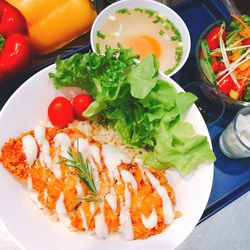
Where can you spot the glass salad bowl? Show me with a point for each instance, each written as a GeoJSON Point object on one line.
{"type": "Point", "coordinates": [206, 71]}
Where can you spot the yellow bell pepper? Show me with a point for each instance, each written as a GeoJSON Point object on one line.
{"type": "Point", "coordinates": [234, 94]}
{"type": "Point", "coordinates": [54, 23]}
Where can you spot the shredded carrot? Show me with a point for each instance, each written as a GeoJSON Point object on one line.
{"type": "Point", "coordinates": [240, 21]}
{"type": "Point", "coordinates": [245, 65]}
{"type": "Point", "coordinates": [216, 55]}
{"type": "Point", "coordinates": [246, 30]}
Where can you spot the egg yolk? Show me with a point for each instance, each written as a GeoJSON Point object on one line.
{"type": "Point", "coordinates": [145, 45]}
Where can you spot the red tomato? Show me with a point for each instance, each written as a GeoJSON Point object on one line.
{"type": "Point", "coordinates": [215, 66]}
{"type": "Point", "coordinates": [245, 42]}
{"type": "Point", "coordinates": [222, 67]}
{"type": "Point", "coordinates": [213, 37]}
{"type": "Point", "coordinates": [80, 104]}
{"type": "Point", "coordinates": [60, 112]}
{"type": "Point", "coordinates": [225, 85]}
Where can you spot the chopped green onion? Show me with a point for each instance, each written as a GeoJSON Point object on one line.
{"type": "Point", "coordinates": [139, 10]}
{"type": "Point", "coordinates": [157, 20]}
{"type": "Point", "coordinates": [100, 35]}
{"type": "Point", "coordinates": [124, 11]}
{"type": "Point", "coordinates": [161, 32]}
{"type": "Point", "coordinates": [175, 38]}
{"type": "Point", "coordinates": [149, 12]}
{"type": "Point", "coordinates": [98, 50]}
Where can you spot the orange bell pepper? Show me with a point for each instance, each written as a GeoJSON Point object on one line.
{"type": "Point", "coordinates": [52, 24]}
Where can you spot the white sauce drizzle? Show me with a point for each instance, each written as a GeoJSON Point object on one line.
{"type": "Point", "coordinates": [56, 169]}
{"type": "Point", "coordinates": [84, 220]}
{"type": "Point", "coordinates": [79, 189]}
{"type": "Point", "coordinates": [62, 140]}
{"type": "Point", "coordinates": [101, 228]}
{"type": "Point", "coordinates": [151, 221]}
{"type": "Point", "coordinates": [95, 153]}
{"type": "Point", "coordinates": [111, 199]}
{"type": "Point", "coordinates": [92, 207]}
{"type": "Point", "coordinates": [126, 227]}
{"type": "Point", "coordinates": [113, 158]}
{"type": "Point", "coordinates": [39, 133]}
{"type": "Point", "coordinates": [61, 211]}
{"type": "Point", "coordinates": [140, 164]}
{"type": "Point", "coordinates": [34, 197]}
{"type": "Point", "coordinates": [166, 202]}
{"type": "Point", "coordinates": [45, 195]}
{"type": "Point", "coordinates": [30, 149]}
{"type": "Point", "coordinates": [82, 146]}
{"type": "Point", "coordinates": [29, 183]}
{"type": "Point", "coordinates": [95, 174]}
{"type": "Point", "coordinates": [45, 157]}
{"type": "Point", "coordinates": [127, 177]}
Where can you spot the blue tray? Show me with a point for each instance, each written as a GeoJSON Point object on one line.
{"type": "Point", "coordinates": [231, 177]}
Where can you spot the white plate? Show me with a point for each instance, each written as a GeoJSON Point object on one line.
{"type": "Point", "coordinates": [31, 229]}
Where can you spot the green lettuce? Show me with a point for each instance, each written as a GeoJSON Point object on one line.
{"type": "Point", "coordinates": [145, 111]}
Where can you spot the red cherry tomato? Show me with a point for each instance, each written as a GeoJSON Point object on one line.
{"type": "Point", "coordinates": [215, 66]}
{"type": "Point", "coordinates": [80, 104]}
{"type": "Point", "coordinates": [222, 67]}
{"type": "Point", "coordinates": [213, 37]}
{"type": "Point", "coordinates": [60, 112]}
{"type": "Point", "coordinates": [225, 85]}
{"type": "Point", "coordinates": [246, 42]}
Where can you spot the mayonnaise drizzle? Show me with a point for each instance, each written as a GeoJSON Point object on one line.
{"type": "Point", "coordinates": [82, 146]}
{"type": "Point", "coordinates": [166, 202]}
{"type": "Point", "coordinates": [92, 207]}
{"type": "Point", "coordinates": [61, 210]}
{"type": "Point", "coordinates": [95, 153]}
{"type": "Point", "coordinates": [34, 197]}
{"type": "Point", "coordinates": [40, 136]}
{"type": "Point", "coordinates": [84, 220]}
{"type": "Point", "coordinates": [127, 177]}
{"type": "Point", "coordinates": [29, 183]}
{"type": "Point", "coordinates": [30, 149]}
{"type": "Point", "coordinates": [126, 227]}
{"type": "Point", "coordinates": [151, 221]}
{"type": "Point", "coordinates": [111, 199]}
{"type": "Point", "coordinates": [101, 228]}
{"type": "Point", "coordinates": [39, 133]}
{"type": "Point", "coordinates": [63, 140]}
{"type": "Point", "coordinates": [95, 174]}
{"type": "Point", "coordinates": [79, 189]}
{"type": "Point", "coordinates": [113, 158]}
{"type": "Point", "coordinates": [45, 157]}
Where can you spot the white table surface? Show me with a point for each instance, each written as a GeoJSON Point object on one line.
{"type": "Point", "coordinates": [229, 229]}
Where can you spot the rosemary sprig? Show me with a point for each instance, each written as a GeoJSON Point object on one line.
{"type": "Point", "coordinates": [85, 173]}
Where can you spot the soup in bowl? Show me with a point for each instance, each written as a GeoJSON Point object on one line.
{"type": "Point", "coordinates": [148, 28]}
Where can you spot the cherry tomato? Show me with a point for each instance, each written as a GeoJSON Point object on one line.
{"type": "Point", "coordinates": [225, 85]}
{"type": "Point", "coordinates": [215, 66]}
{"type": "Point", "coordinates": [213, 37]}
{"type": "Point", "coordinates": [222, 67]}
{"type": "Point", "coordinates": [60, 112]}
{"type": "Point", "coordinates": [245, 42]}
{"type": "Point", "coordinates": [80, 103]}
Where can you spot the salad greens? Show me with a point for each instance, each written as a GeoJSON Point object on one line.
{"type": "Point", "coordinates": [130, 99]}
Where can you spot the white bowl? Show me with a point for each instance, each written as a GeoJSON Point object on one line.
{"type": "Point", "coordinates": [27, 108]}
{"type": "Point", "coordinates": [146, 4]}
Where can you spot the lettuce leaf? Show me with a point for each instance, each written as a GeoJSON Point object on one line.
{"type": "Point", "coordinates": [130, 99]}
